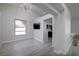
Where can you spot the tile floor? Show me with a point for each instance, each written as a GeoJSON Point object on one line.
{"type": "Point", "coordinates": [28, 47]}
{"type": "Point", "coordinates": [74, 50]}
{"type": "Point", "coordinates": [31, 47]}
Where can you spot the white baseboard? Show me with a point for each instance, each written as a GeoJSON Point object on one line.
{"type": "Point", "coordinates": [69, 45]}
{"type": "Point", "coordinates": [39, 40]}
{"type": "Point", "coordinates": [13, 40]}
{"type": "Point", "coordinates": [58, 51]}
{"type": "Point", "coordinates": [65, 51]}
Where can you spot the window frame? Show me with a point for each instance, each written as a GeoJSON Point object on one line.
{"type": "Point", "coordinates": [16, 27]}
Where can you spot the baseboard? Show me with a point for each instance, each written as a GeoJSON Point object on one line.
{"type": "Point", "coordinates": [58, 51]}
{"type": "Point", "coordinates": [69, 45]}
{"type": "Point", "coordinates": [39, 40]}
{"type": "Point", "coordinates": [65, 51]}
{"type": "Point", "coordinates": [13, 40]}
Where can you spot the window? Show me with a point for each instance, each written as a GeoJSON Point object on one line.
{"type": "Point", "coordinates": [20, 28]}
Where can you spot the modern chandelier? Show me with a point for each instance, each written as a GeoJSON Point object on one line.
{"type": "Point", "coordinates": [25, 6]}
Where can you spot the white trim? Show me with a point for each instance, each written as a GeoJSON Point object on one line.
{"type": "Point", "coordinates": [49, 6]}
{"type": "Point", "coordinates": [58, 52]}
{"type": "Point", "coordinates": [40, 40]}
{"type": "Point", "coordinates": [65, 51]}
{"type": "Point", "coordinates": [13, 40]}
{"type": "Point", "coordinates": [43, 18]}
{"type": "Point", "coordinates": [47, 17]}
{"type": "Point", "coordinates": [68, 46]}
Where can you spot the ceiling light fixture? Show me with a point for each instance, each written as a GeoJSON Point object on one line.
{"type": "Point", "coordinates": [25, 6]}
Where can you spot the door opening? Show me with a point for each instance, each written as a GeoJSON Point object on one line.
{"type": "Point", "coordinates": [48, 30]}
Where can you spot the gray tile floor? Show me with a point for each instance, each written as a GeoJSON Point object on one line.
{"type": "Point", "coordinates": [31, 47]}
{"type": "Point", "coordinates": [28, 47]}
{"type": "Point", "coordinates": [74, 50]}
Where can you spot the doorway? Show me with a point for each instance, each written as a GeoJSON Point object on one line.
{"type": "Point", "coordinates": [48, 30]}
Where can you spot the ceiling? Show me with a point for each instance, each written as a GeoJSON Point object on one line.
{"type": "Point", "coordinates": [74, 10]}
{"type": "Point", "coordinates": [53, 8]}
{"type": "Point", "coordinates": [57, 6]}
{"type": "Point", "coordinates": [41, 9]}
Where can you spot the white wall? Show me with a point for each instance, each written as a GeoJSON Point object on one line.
{"type": "Point", "coordinates": [59, 33]}
{"type": "Point", "coordinates": [68, 40]}
{"type": "Point", "coordinates": [38, 33]}
{"type": "Point", "coordinates": [62, 32]}
{"type": "Point", "coordinates": [75, 25]}
{"type": "Point", "coordinates": [9, 13]}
